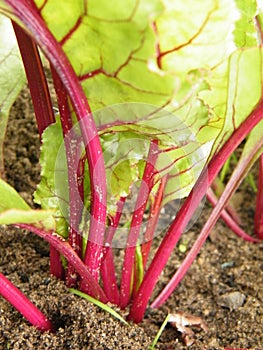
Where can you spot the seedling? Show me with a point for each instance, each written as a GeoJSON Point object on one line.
{"type": "Point", "coordinates": [183, 324]}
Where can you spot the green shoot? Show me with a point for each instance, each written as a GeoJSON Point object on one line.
{"type": "Point", "coordinates": [98, 303]}
{"type": "Point", "coordinates": [166, 320]}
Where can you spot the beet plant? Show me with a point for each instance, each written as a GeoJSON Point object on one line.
{"type": "Point", "coordinates": [153, 98]}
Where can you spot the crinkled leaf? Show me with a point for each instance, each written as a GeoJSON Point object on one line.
{"type": "Point", "coordinates": [12, 77]}
{"type": "Point", "coordinates": [14, 210]}
{"type": "Point", "coordinates": [125, 149]}
{"type": "Point", "coordinates": [195, 35]}
{"type": "Point", "coordinates": [181, 55]}
{"type": "Point", "coordinates": [52, 191]}
{"type": "Point", "coordinates": [235, 91]}
{"type": "Point", "coordinates": [166, 53]}
{"type": "Point", "coordinates": [142, 50]}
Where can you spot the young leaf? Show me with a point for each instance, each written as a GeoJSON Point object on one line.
{"type": "Point", "coordinates": [42, 217]}
{"type": "Point", "coordinates": [10, 198]}
{"type": "Point", "coordinates": [52, 191]}
{"type": "Point", "coordinates": [12, 77]}
{"type": "Point", "coordinates": [14, 210]}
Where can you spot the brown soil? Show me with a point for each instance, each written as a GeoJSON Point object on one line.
{"type": "Point", "coordinates": [226, 264]}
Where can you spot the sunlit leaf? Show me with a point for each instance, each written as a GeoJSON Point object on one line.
{"type": "Point", "coordinates": [195, 64]}
{"type": "Point", "coordinates": [244, 32]}
{"type": "Point", "coordinates": [234, 93]}
{"type": "Point", "coordinates": [181, 55]}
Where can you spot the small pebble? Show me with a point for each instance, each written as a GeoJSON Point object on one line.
{"type": "Point", "coordinates": [232, 300]}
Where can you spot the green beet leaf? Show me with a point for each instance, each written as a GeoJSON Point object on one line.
{"type": "Point", "coordinates": [14, 210]}
{"type": "Point", "coordinates": [179, 72]}
{"type": "Point", "coordinates": [52, 191]}
{"type": "Point", "coordinates": [198, 61]}
{"type": "Point", "coordinates": [12, 77]}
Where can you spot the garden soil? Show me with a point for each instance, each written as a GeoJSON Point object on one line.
{"type": "Point", "coordinates": [226, 265]}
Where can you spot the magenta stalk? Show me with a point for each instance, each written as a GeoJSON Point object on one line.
{"type": "Point", "coordinates": [20, 302]}
{"type": "Point", "coordinates": [31, 19]}
{"type": "Point", "coordinates": [72, 150]}
{"type": "Point", "coordinates": [108, 273]}
{"type": "Point", "coordinates": [238, 175]}
{"type": "Point", "coordinates": [42, 106]}
{"type": "Point", "coordinates": [36, 79]}
{"type": "Point", "coordinates": [185, 213]}
{"type": "Point", "coordinates": [61, 245]}
{"type": "Point", "coordinates": [228, 219]}
{"type": "Point", "coordinates": [153, 220]}
{"type": "Point", "coordinates": [259, 202]}
{"type": "Point", "coordinates": [136, 221]}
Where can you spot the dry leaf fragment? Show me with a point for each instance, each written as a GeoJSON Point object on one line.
{"type": "Point", "coordinates": [181, 321]}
